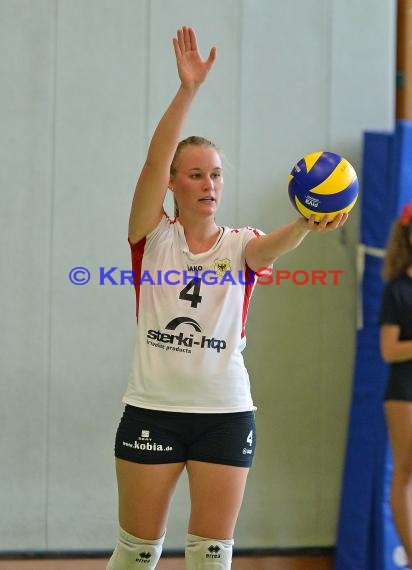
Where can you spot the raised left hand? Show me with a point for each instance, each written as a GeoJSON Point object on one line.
{"type": "Point", "coordinates": [191, 68]}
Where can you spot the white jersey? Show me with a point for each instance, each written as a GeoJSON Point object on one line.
{"type": "Point", "coordinates": [191, 314]}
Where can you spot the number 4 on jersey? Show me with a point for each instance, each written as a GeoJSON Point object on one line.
{"type": "Point", "coordinates": [193, 297]}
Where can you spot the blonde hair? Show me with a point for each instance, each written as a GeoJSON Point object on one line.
{"type": "Point", "coordinates": [398, 251]}
{"type": "Point", "coordinates": [189, 141]}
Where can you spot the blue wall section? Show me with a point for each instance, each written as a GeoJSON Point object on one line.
{"type": "Point", "coordinates": [366, 536]}
{"type": "Point", "coordinates": [377, 185]}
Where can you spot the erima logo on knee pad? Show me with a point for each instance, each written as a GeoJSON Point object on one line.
{"type": "Point", "coordinates": [144, 557]}
{"type": "Point", "coordinates": [213, 552]}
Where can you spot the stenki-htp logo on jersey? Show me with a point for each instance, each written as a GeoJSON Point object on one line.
{"type": "Point", "coordinates": [183, 342]}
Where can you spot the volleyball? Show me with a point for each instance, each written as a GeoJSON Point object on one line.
{"type": "Point", "coordinates": [323, 183]}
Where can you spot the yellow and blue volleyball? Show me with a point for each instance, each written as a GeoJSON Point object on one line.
{"type": "Point", "coordinates": [323, 183]}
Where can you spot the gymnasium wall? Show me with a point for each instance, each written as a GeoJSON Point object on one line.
{"type": "Point", "coordinates": [83, 83]}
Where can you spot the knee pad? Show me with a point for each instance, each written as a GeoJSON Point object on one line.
{"type": "Point", "coordinates": [208, 553]}
{"type": "Point", "coordinates": [132, 553]}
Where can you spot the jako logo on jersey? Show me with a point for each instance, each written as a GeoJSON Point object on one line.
{"type": "Point", "coordinates": [186, 341]}
{"type": "Point", "coordinates": [221, 266]}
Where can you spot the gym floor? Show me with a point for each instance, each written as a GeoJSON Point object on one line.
{"type": "Point", "coordinates": [313, 562]}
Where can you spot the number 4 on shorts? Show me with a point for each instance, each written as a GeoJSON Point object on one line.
{"type": "Point", "coordinates": [249, 438]}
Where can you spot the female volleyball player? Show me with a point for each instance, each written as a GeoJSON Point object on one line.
{"type": "Point", "coordinates": [188, 402]}
{"type": "Point", "coordinates": [396, 348]}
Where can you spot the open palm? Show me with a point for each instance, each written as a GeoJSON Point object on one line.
{"type": "Point", "coordinates": [191, 68]}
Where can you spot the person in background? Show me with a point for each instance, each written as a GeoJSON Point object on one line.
{"type": "Point", "coordinates": [395, 321]}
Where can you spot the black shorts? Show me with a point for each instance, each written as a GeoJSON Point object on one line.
{"type": "Point", "coordinates": [399, 388]}
{"type": "Point", "coordinates": [153, 437]}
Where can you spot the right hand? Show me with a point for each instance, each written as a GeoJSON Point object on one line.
{"type": "Point", "coordinates": [191, 68]}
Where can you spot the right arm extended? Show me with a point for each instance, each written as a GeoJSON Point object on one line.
{"type": "Point", "coordinates": [147, 205]}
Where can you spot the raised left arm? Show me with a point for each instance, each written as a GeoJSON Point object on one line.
{"type": "Point", "coordinates": [264, 250]}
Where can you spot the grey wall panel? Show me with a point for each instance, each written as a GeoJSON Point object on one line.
{"type": "Point", "coordinates": [100, 131]}
{"type": "Point", "coordinates": [26, 111]}
{"type": "Point", "coordinates": [301, 339]}
{"type": "Point", "coordinates": [284, 99]}
{"type": "Point", "coordinates": [284, 115]}
{"type": "Point", "coordinates": [362, 87]}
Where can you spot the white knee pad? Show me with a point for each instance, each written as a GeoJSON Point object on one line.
{"type": "Point", "coordinates": [208, 553]}
{"type": "Point", "coordinates": [132, 553]}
